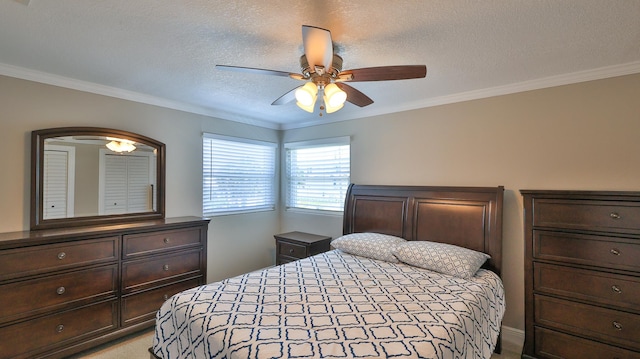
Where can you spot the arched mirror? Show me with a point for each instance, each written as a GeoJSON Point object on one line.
{"type": "Point", "coordinates": [91, 175]}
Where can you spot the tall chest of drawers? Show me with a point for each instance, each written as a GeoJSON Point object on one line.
{"type": "Point", "coordinates": [64, 291]}
{"type": "Point", "coordinates": [582, 274]}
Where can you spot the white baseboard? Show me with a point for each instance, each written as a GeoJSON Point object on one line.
{"type": "Point", "coordinates": [512, 339]}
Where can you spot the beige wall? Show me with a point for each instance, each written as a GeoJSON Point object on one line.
{"type": "Point", "coordinates": [582, 136]}
{"type": "Point", "coordinates": [236, 243]}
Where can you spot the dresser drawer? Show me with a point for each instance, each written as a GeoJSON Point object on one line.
{"type": "Point", "coordinates": [143, 306]}
{"type": "Point", "coordinates": [34, 296]}
{"type": "Point", "coordinates": [139, 244]}
{"type": "Point", "coordinates": [608, 325]}
{"type": "Point", "coordinates": [601, 251]}
{"type": "Point", "coordinates": [552, 344]}
{"type": "Point", "coordinates": [586, 214]}
{"type": "Point", "coordinates": [292, 250]}
{"type": "Point", "coordinates": [46, 258]}
{"type": "Point", "coordinates": [26, 339]}
{"type": "Point", "coordinates": [605, 288]}
{"type": "Point", "coordinates": [139, 274]}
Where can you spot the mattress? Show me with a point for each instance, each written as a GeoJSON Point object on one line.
{"type": "Point", "coordinates": [334, 305]}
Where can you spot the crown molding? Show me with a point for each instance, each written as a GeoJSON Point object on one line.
{"type": "Point", "coordinates": [552, 81]}
{"type": "Point", "coordinates": [530, 85]}
{"type": "Point", "coordinates": [85, 86]}
{"type": "Point", "coordinates": [547, 82]}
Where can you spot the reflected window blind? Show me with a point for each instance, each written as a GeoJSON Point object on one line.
{"type": "Point", "coordinates": [238, 175]}
{"type": "Point", "coordinates": [318, 174]}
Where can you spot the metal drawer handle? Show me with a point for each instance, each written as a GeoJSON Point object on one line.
{"type": "Point", "coordinates": [617, 326]}
{"type": "Point", "coordinates": [615, 251]}
{"type": "Point", "coordinates": [59, 328]}
{"type": "Point", "coordinates": [291, 250]}
{"type": "Point", "coordinates": [62, 255]}
{"type": "Point", "coordinates": [60, 290]}
{"type": "Point", "coordinates": [166, 296]}
{"type": "Point", "coordinates": [165, 267]}
{"type": "Point", "coordinates": [616, 289]}
{"type": "Point", "coordinates": [614, 215]}
{"type": "Point", "coordinates": [167, 240]}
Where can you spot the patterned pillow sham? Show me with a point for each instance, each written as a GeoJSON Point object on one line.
{"type": "Point", "coordinates": [370, 245]}
{"type": "Point", "coordinates": [442, 258]}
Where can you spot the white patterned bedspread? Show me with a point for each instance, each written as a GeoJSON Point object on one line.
{"type": "Point", "coordinates": [334, 305]}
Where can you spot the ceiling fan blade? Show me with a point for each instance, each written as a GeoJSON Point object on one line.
{"type": "Point", "coordinates": [384, 73]}
{"type": "Point", "coordinates": [354, 96]}
{"type": "Point", "coordinates": [318, 47]}
{"type": "Point", "coordinates": [286, 98]}
{"type": "Point", "coordinates": [260, 71]}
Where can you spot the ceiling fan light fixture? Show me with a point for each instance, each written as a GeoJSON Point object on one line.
{"type": "Point", "coordinates": [120, 146]}
{"type": "Point", "coordinates": [306, 95]}
{"type": "Point", "coordinates": [334, 97]}
{"type": "Point", "coordinates": [308, 108]}
{"type": "Point", "coordinates": [331, 109]}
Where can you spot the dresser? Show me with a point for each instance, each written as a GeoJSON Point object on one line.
{"type": "Point", "coordinates": [292, 246]}
{"type": "Point", "coordinates": [66, 290]}
{"type": "Point", "coordinates": [582, 274]}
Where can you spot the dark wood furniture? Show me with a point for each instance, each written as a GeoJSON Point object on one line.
{"type": "Point", "coordinates": [83, 137]}
{"type": "Point", "coordinates": [582, 274]}
{"type": "Point", "coordinates": [470, 217]}
{"type": "Point", "coordinates": [292, 246]}
{"type": "Point", "coordinates": [66, 290]}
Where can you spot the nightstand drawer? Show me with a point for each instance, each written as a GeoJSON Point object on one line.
{"type": "Point", "coordinates": [292, 246]}
{"type": "Point", "coordinates": [586, 214]}
{"type": "Point", "coordinates": [600, 287]}
{"type": "Point", "coordinates": [552, 344]}
{"type": "Point", "coordinates": [143, 306]}
{"type": "Point", "coordinates": [157, 271]}
{"type": "Point", "coordinates": [34, 296]}
{"type": "Point", "coordinates": [292, 250]}
{"type": "Point", "coordinates": [615, 327]}
{"type": "Point", "coordinates": [26, 339]}
{"type": "Point", "coordinates": [601, 251]}
{"type": "Point", "coordinates": [146, 243]}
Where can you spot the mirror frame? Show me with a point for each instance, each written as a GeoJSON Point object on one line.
{"type": "Point", "coordinates": [38, 138]}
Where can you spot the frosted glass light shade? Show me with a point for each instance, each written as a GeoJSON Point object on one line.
{"type": "Point", "coordinates": [334, 96]}
{"type": "Point", "coordinates": [306, 95]}
{"type": "Point", "coordinates": [308, 108]}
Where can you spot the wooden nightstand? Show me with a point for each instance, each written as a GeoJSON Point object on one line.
{"type": "Point", "coordinates": [292, 246]}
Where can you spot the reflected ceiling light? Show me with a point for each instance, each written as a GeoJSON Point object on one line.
{"type": "Point", "coordinates": [120, 145]}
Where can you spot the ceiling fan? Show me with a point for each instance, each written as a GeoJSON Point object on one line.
{"type": "Point", "coordinates": [322, 71]}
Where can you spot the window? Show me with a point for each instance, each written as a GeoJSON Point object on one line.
{"type": "Point", "coordinates": [238, 175]}
{"type": "Point", "coordinates": [318, 174]}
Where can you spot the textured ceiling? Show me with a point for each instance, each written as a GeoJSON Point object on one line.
{"type": "Point", "coordinates": [164, 51]}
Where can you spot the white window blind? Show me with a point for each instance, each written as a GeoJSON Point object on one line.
{"type": "Point", "coordinates": [318, 174]}
{"type": "Point", "coordinates": [238, 175]}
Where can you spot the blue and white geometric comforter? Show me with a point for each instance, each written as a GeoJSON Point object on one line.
{"type": "Point", "coordinates": [334, 305]}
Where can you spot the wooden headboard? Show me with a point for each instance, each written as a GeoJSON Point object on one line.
{"type": "Point", "coordinates": [469, 217]}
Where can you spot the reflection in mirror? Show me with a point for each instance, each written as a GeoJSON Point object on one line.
{"type": "Point", "coordinates": [94, 175]}
{"type": "Point", "coordinates": [113, 176]}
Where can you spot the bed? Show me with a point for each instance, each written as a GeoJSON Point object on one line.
{"type": "Point", "coordinates": [349, 304]}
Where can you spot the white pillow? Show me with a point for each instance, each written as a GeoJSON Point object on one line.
{"type": "Point", "coordinates": [370, 245]}
{"type": "Point", "coordinates": [442, 258]}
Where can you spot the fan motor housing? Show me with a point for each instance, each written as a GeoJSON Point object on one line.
{"type": "Point", "coordinates": [336, 66]}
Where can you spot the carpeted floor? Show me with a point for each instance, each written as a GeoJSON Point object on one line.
{"type": "Point", "coordinates": [136, 346]}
